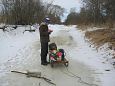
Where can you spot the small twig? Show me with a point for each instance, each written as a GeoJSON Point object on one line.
{"type": "Point", "coordinates": [39, 83]}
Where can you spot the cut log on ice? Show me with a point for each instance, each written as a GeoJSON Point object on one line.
{"type": "Point", "coordinates": [29, 30]}
{"type": "Point", "coordinates": [3, 28]}
{"type": "Point", "coordinates": [15, 27]}
{"type": "Point", "coordinates": [35, 75]}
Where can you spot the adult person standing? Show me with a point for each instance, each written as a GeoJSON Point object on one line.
{"type": "Point", "coordinates": [44, 39]}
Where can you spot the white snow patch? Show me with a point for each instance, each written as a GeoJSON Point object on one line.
{"type": "Point", "coordinates": [14, 43]}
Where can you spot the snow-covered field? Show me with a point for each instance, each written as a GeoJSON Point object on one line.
{"type": "Point", "coordinates": [21, 51]}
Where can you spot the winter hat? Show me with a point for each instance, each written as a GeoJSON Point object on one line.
{"type": "Point", "coordinates": [47, 20]}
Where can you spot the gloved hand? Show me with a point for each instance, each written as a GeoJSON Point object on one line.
{"type": "Point", "coordinates": [50, 31]}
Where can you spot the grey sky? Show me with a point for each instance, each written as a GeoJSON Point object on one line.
{"type": "Point", "coordinates": [67, 4]}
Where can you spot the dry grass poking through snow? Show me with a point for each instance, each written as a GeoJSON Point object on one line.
{"type": "Point", "coordinates": [101, 36]}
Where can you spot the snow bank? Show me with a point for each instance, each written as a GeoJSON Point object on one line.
{"type": "Point", "coordinates": [94, 59]}
{"type": "Point", "coordinates": [13, 43]}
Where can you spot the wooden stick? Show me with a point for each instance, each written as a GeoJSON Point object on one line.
{"type": "Point", "coordinates": [32, 74]}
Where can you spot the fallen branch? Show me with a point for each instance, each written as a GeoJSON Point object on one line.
{"type": "Point", "coordinates": [29, 30]}
{"type": "Point", "coordinates": [35, 75]}
{"type": "Point", "coordinates": [3, 28]}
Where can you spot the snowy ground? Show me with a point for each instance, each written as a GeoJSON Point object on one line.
{"type": "Point", "coordinates": [21, 51]}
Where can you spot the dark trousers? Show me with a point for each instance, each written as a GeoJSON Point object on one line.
{"type": "Point", "coordinates": [44, 52]}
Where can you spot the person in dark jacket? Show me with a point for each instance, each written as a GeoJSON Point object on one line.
{"type": "Point", "coordinates": [44, 39]}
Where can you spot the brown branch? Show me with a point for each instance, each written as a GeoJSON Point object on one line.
{"type": "Point", "coordinates": [35, 75]}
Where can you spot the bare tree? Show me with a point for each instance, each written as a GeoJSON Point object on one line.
{"type": "Point", "coordinates": [97, 12]}
{"type": "Point", "coordinates": [28, 11]}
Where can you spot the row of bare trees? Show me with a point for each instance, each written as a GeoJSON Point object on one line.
{"type": "Point", "coordinates": [96, 12]}
{"type": "Point", "coordinates": [29, 11]}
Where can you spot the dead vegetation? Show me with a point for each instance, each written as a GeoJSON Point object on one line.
{"type": "Point", "coordinates": [102, 36]}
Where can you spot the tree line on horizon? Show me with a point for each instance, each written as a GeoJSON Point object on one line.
{"type": "Point", "coordinates": [94, 12]}
{"type": "Point", "coordinates": [29, 11]}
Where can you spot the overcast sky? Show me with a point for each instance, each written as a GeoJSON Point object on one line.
{"type": "Point", "coordinates": [67, 4]}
